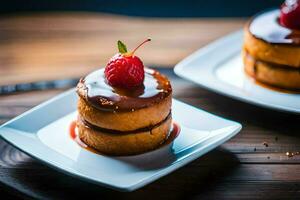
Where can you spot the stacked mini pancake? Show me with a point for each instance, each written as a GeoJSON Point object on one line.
{"type": "Point", "coordinates": [271, 52]}
{"type": "Point", "coordinates": [118, 121]}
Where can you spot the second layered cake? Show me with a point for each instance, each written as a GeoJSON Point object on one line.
{"type": "Point", "coordinates": [124, 122]}
{"type": "Point", "coordinates": [271, 52]}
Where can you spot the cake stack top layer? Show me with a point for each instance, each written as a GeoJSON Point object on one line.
{"type": "Point", "coordinates": [95, 90]}
{"type": "Point", "coordinates": [265, 26]}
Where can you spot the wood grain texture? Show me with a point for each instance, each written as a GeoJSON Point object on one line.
{"type": "Point", "coordinates": [233, 171]}
{"type": "Point", "coordinates": [46, 46]}
{"type": "Point", "coordinates": [35, 47]}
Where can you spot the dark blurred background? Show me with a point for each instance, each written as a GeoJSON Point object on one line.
{"type": "Point", "coordinates": [147, 8]}
{"type": "Point", "coordinates": [45, 40]}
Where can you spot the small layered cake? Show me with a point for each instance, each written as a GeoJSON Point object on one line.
{"type": "Point", "coordinates": [271, 52]}
{"type": "Point", "coordinates": [124, 109]}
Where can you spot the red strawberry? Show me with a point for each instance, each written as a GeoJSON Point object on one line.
{"type": "Point", "coordinates": [290, 14]}
{"type": "Point", "coordinates": [124, 69]}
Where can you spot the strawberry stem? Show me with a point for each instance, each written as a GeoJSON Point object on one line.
{"type": "Point", "coordinates": [147, 40]}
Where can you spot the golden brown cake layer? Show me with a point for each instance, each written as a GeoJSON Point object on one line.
{"type": "Point", "coordinates": [125, 121]}
{"type": "Point", "coordinates": [279, 54]}
{"type": "Point", "coordinates": [119, 121]}
{"type": "Point", "coordinates": [266, 40]}
{"type": "Point", "coordinates": [95, 90]}
{"type": "Point", "coordinates": [273, 74]}
{"type": "Point", "coordinates": [111, 131]}
{"type": "Point", "coordinates": [125, 144]}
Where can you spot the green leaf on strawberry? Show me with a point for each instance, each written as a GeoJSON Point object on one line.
{"type": "Point", "coordinates": [122, 47]}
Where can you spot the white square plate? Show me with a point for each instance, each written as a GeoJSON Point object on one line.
{"type": "Point", "coordinates": [219, 67]}
{"type": "Point", "coordinates": [43, 133]}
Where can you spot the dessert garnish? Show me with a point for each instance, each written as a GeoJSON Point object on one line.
{"type": "Point", "coordinates": [125, 70]}
{"type": "Point", "coordinates": [124, 109]}
{"type": "Point", "coordinates": [290, 14]}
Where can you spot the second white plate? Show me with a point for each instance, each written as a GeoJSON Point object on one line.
{"type": "Point", "coordinates": [219, 67]}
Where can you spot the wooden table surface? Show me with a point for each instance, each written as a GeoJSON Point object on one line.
{"type": "Point", "coordinates": [36, 47]}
